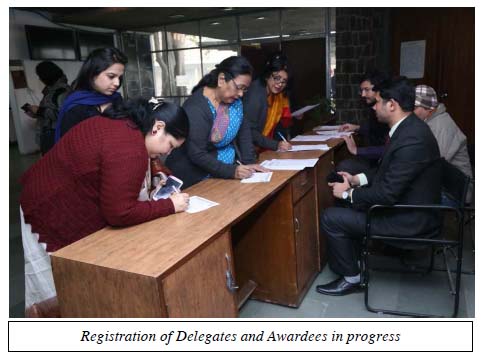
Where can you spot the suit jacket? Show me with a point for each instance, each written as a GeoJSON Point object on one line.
{"type": "Point", "coordinates": [197, 157]}
{"type": "Point", "coordinates": [408, 173]}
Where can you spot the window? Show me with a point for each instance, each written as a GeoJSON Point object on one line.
{"type": "Point", "coordinates": [181, 54]}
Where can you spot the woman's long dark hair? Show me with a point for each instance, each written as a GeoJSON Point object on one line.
{"type": "Point", "coordinates": [231, 67]}
{"type": "Point", "coordinates": [277, 62]}
{"type": "Point", "coordinates": [144, 114]}
{"type": "Point", "coordinates": [98, 61]}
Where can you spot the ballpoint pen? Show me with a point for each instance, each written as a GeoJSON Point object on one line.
{"type": "Point", "coordinates": [174, 188]}
{"type": "Point", "coordinates": [282, 137]}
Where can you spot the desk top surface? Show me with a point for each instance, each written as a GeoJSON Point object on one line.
{"type": "Point", "coordinates": [155, 247]}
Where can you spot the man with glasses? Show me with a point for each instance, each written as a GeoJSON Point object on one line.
{"type": "Point", "coordinates": [372, 131]}
{"type": "Point", "coordinates": [266, 106]}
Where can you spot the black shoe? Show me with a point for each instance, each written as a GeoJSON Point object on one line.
{"type": "Point", "coordinates": [338, 287]}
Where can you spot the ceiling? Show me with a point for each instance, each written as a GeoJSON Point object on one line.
{"type": "Point", "coordinates": [133, 18]}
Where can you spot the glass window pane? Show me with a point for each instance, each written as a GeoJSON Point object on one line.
{"type": "Point", "coordinates": [185, 71]}
{"type": "Point", "coordinates": [260, 26]}
{"type": "Point", "coordinates": [214, 56]}
{"type": "Point", "coordinates": [89, 41]}
{"type": "Point", "coordinates": [182, 36]}
{"type": "Point", "coordinates": [218, 31]}
{"type": "Point", "coordinates": [161, 73]}
{"type": "Point", "coordinates": [303, 23]}
{"type": "Point", "coordinates": [157, 41]}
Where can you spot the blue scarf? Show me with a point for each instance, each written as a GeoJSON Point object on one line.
{"type": "Point", "coordinates": [82, 97]}
{"type": "Point", "coordinates": [225, 148]}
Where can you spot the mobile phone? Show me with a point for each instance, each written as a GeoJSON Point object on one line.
{"type": "Point", "coordinates": [25, 107]}
{"type": "Point", "coordinates": [333, 177]}
{"type": "Point", "coordinates": [166, 190]}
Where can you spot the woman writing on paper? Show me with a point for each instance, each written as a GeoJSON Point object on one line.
{"type": "Point", "coordinates": [266, 105]}
{"type": "Point", "coordinates": [219, 143]}
{"type": "Point", "coordinates": [95, 88]}
{"type": "Point", "coordinates": [96, 175]}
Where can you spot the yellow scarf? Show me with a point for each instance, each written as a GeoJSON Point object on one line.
{"type": "Point", "coordinates": [274, 112]}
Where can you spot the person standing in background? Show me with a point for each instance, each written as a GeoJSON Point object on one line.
{"type": "Point", "coordinates": [55, 91]}
{"type": "Point", "coordinates": [95, 88]}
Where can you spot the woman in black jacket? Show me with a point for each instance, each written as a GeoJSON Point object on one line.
{"type": "Point", "coordinates": [219, 142]}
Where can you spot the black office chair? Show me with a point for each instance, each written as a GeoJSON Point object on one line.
{"type": "Point", "coordinates": [454, 184]}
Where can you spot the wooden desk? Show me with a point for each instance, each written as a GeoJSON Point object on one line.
{"type": "Point", "coordinates": [188, 265]}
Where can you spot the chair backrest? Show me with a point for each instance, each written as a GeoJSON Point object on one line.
{"type": "Point", "coordinates": [454, 183]}
{"type": "Point", "coordinates": [471, 149]}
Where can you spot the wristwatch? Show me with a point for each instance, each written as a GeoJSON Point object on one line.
{"type": "Point", "coordinates": [344, 195]}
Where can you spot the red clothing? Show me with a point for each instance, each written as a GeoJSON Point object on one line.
{"type": "Point", "coordinates": [90, 179]}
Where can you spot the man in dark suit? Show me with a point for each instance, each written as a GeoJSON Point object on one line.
{"type": "Point", "coordinates": [407, 173]}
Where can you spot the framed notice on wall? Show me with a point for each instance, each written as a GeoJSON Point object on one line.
{"type": "Point", "coordinates": [412, 59]}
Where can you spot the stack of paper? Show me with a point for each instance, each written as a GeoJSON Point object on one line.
{"type": "Point", "coordinates": [335, 133]}
{"type": "Point", "coordinates": [198, 204]}
{"type": "Point", "coordinates": [258, 177]}
{"type": "Point", "coordinates": [288, 164]}
{"type": "Point", "coordinates": [312, 138]}
{"type": "Point", "coordinates": [323, 147]}
{"type": "Point", "coordinates": [326, 127]}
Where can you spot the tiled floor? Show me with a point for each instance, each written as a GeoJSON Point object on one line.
{"type": "Point", "coordinates": [414, 293]}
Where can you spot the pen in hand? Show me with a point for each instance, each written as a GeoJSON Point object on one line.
{"type": "Point", "coordinates": [282, 137]}
{"type": "Point", "coordinates": [174, 188]}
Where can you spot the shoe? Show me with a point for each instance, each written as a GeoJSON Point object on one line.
{"type": "Point", "coordinates": [338, 287]}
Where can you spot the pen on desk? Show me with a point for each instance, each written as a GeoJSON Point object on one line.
{"type": "Point", "coordinates": [282, 137]}
{"type": "Point", "coordinates": [174, 188]}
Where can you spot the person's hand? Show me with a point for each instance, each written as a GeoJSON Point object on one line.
{"type": "Point", "coordinates": [353, 180]}
{"type": "Point", "coordinates": [243, 171]}
{"type": "Point", "coordinates": [339, 188]}
{"type": "Point", "coordinates": [257, 167]}
{"type": "Point", "coordinates": [284, 146]}
{"type": "Point", "coordinates": [350, 144]}
{"type": "Point", "coordinates": [163, 178]}
{"type": "Point", "coordinates": [180, 201]}
{"type": "Point", "coordinates": [349, 127]}
{"type": "Point", "coordinates": [33, 109]}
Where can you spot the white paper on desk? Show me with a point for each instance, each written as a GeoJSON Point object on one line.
{"type": "Point", "coordinates": [335, 133]}
{"type": "Point", "coordinates": [312, 138]}
{"type": "Point", "coordinates": [323, 147]}
{"type": "Point", "coordinates": [258, 177]}
{"type": "Point", "coordinates": [288, 164]}
{"type": "Point", "coordinates": [198, 204]}
{"type": "Point", "coordinates": [304, 109]}
{"type": "Point", "coordinates": [326, 127]}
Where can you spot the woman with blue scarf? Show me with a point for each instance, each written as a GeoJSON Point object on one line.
{"type": "Point", "coordinates": [219, 143]}
{"type": "Point", "coordinates": [95, 89]}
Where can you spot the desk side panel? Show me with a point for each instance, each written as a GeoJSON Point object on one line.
{"type": "Point", "coordinates": [198, 287]}
{"type": "Point", "coordinates": [85, 290]}
{"type": "Point", "coordinates": [265, 250]}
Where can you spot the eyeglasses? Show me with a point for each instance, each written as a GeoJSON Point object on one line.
{"type": "Point", "coordinates": [279, 79]}
{"type": "Point", "coordinates": [242, 88]}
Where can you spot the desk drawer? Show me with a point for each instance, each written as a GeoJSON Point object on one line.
{"type": "Point", "coordinates": [302, 183]}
